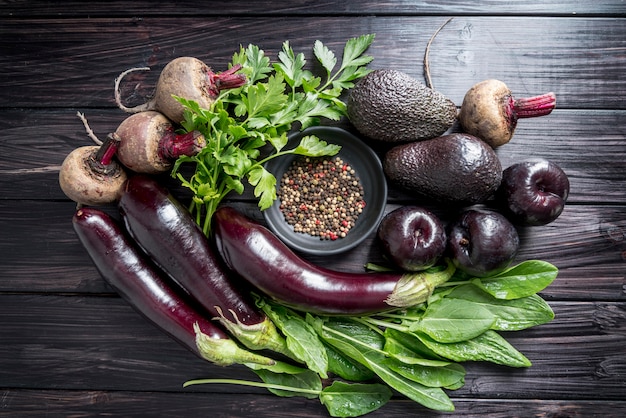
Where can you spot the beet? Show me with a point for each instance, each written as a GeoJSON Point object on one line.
{"type": "Point", "coordinates": [185, 77]}
{"type": "Point", "coordinates": [490, 112]}
{"type": "Point", "coordinates": [90, 175]}
{"type": "Point", "coordinates": [148, 143]}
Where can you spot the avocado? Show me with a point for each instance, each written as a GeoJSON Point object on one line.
{"type": "Point", "coordinates": [391, 106]}
{"type": "Point", "coordinates": [457, 168]}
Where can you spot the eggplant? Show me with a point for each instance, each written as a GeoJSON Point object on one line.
{"type": "Point", "coordinates": [256, 254]}
{"type": "Point", "coordinates": [166, 231]}
{"type": "Point", "coordinates": [140, 284]}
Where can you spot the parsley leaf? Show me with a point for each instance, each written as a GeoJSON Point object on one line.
{"type": "Point", "coordinates": [276, 99]}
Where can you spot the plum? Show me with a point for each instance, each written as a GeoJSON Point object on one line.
{"type": "Point", "coordinates": [482, 242]}
{"type": "Point", "coordinates": [533, 192]}
{"type": "Point", "coordinates": [412, 237]}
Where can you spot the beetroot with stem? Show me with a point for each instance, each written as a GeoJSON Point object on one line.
{"type": "Point", "coordinates": [490, 112]}
{"type": "Point", "coordinates": [90, 175]}
{"type": "Point", "coordinates": [185, 77]}
{"type": "Point", "coordinates": [148, 143]}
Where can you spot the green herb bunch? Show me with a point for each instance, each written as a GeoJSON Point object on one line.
{"type": "Point", "coordinates": [276, 99]}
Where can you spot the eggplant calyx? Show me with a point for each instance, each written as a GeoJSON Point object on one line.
{"type": "Point", "coordinates": [225, 352]}
{"type": "Point", "coordinates": [415, 288]}
{"type": "Point", "coordinates": [260, 336]}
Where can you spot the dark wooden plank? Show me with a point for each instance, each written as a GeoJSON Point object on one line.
{"type": "Point", "coordinates": [61, 62]}
{"type": "Point", "coordinates": [40, 253]}
{"type": "Point", "coordinates": [35, 403]}
{"type": "Point", "coordinates": [100, 343]}
{"type": "Point", "coordinates": [586, 144]}
{"type": "Point", "coordinates": [302, 7]}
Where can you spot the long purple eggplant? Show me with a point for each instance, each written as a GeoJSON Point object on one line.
{"type": "Point", "coordinates": [165, 230]}
{"type": "Point", "coordinates": [138, 282]}
{"type": "Point", "coordinates": [261, 258]}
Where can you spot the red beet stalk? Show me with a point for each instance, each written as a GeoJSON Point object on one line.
{"type": "Point", "coordinates": [531, 107]}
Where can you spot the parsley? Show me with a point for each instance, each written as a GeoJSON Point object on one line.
{"type": "Point", "coordinates": [276, 98]}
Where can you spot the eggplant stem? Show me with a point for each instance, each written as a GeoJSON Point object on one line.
{"type": "Point", "coordinates": [225, 352]}
{"type": "Point", "coordinates": [255, 337]}
{"type": "Point", "coordinates": [415, 288]}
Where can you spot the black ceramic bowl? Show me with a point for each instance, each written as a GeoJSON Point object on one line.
{"type": "Point", "coordinates": [368, 168]}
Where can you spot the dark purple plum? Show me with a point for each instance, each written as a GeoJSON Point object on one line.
{"type": "Point", "coordinates": [412, 237]}
{"type": "Point", "coordinates": [533, 192]}
{"type": "Point", "coordinates": [482, 242]}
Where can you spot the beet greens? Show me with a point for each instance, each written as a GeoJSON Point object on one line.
{"type": "Point", "coordinates": [276, 98]}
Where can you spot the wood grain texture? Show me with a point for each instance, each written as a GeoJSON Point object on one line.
{"type": "Point", "coordinates": [35, 403]}
{"type": "Point", "coordinates": [22, 8]}
{"type": "Point", "coordinates": [69, 346]}
{"type": "Point", "coordinates": [585, 143]}
{"type": "Point", "coordinates": [583, 241]}
{"type": "Point", "coordinates": [529, 56]}
{"type": "Point", "coordinates": [67, 342]}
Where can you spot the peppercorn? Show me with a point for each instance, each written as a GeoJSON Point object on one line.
{"type": "Point", "coordinates": [321, 197]}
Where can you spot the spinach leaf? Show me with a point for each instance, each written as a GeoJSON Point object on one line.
{"type": "Point", "coordinates": [524, 279]}
{"type": "Point", "coordinates": [512, 314]}
{"type": "Point", "coordinates": [444, 376]}
{"type": "Point", "coordinates": [365, 345]}
{"type": "Point", "coordinates": [353, 400]}
{"type": "Point", "coordinates": [302, 340]}
{"type": "Point", "coordinates": [454, 320]}
{"type": "Point", "coordinates": [345, 367]}
{"type": "Point", "coordinates": [406, 346]}
{"type": "Point", "coordinates": [307, 380]}
{"type": "Point", "coordinates": [488, 346]}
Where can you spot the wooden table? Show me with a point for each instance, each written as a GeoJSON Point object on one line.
{"type": "Point", "coordinates": [69, 346]}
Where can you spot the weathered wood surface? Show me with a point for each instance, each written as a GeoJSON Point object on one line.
{"type": "Point", "coordinates": [69, 346]}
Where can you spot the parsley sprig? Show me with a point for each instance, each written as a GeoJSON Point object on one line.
{"type": "Point", "coordinates": [276, 98]}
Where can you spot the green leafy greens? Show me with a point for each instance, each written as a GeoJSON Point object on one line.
{"type": "Point", "coordinates": [415, 351]}
{"type": "Point", "coordinates": [243, 121]}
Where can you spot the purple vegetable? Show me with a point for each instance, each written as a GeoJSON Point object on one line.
{"type": "Point", "coordinates": [138, 282]}
{"type": "Point", "coordinates": [255, 253]}
{"type": "Point", "coordinates": [165, 230]}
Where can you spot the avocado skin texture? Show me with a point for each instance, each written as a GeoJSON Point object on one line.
{"type": "Point", "coordinates": [458, 169]}
{"type": "Point", "coordinates": [391, 106]}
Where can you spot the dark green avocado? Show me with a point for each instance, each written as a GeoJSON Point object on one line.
{"type": "Point", "coordinates": [392, 106]}
{"type": "Point", "coordinates": [457, 168]}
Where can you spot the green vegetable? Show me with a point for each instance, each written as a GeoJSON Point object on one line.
{"type": "Point", "coordinates": [351, 400]}
{"type": "Point", "coordinates": [510, 315]}
{"type": "Point", "coordinates": [301, 338]}
{"type": "Point", "coordinates": [488, 346]}
{"type": "Point", "coordinates": [365, 345]}
{"type": "Point", "coordinates": [345, 367]}
{"type": "Point", "coordinates": [341, 399]}
{"type": "Point", "coordinates": [243, 120]}
{"type": "Point", "coordinates": [524, 279]}
{"type": "Point", "coordinates": [452, 320]}
{"type": "Point", "coordinates": [415, 351]}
